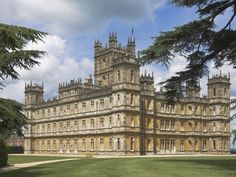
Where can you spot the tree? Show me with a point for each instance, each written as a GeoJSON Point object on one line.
{"type": "Point", "coordinates": [199, 41]}
{"type": "Point", "coordinates": [13, 56]}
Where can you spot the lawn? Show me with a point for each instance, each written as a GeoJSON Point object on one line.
{"type": "Point", "coordinates": [134, 167]}
{"type": "Point", "coordinates": [13, 159]}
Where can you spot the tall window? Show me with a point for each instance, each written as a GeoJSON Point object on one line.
{"type": "Point", "coordinates": [167, 126]}
{"type": "Point", "coordinates": [214, 144]}
{"type": "Point", "coordinates": [110, 121]}
{"type": "Point", "coordinates": [132, 144]}
{"type": "Point", "coordinates": [92, 123]}
{"type": "Point", "coordinates": [213, 126]}
{"type": "Point", "coordinates": [111, 143]}
{"type": "Point", "coordinates": [204, 126]}
{"type": "Point", "coordinates": [162, 125]}
{"type": "Point", "coordinates": [118, 143]}
{"type": "Point", "coordinates": [54, 127]}
{"type": "Point", "coordinates": [132, 76]}
{"type": "Point", "coordinates": [83, 144]}
{"type": "Point", "coordinates": [132, 121]}
{"type": "Point", "coordinates": [118, 75]}
{"type": "Point", "coordinates": [172, 145]}
{"type": "Point", "coordinates": [182, 126]}
{"type": "Point", "coordinates": [225, 92]}
{"type": "Point", "coordinates": [101, 122]}
{"type": "Point", "coordinates": [76, 125]}
{"type": "Point", "coordinates": [101, 144]}
{"type": "Point", "coordinates": [162, 144]}
{"type": "Point", "coordinates": [92, 144]}
{"type": "Point", "coordinates": [83, 124]}
{"type": "Point", "coordinates": [204, 145]}
{"type": "Point", "coordinates": [118, 120]}
{"type": "Point", "coordinates": [181, 145]}
{"type": "Point", "coordinates": [132, 100]}
{"type": "Point", "coordinates": [214, 91]}
{"type": "Point", "coordinates": [172, 125]}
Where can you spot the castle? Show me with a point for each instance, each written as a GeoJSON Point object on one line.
{"type": "Point", "coordinates": [121, 113]}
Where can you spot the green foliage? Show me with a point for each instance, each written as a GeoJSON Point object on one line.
{"type": "Point", "coordinates": [199, 41]}
{"type": "Point", "coordinates": [12, 119]}
{"type": "Point", "coordinates": [3, 152]}
{"type": "Point", "coordinates": [13, 40]}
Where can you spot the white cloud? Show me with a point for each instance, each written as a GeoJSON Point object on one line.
{"type": "Point", "coordinates": [66, 16]}
{"type": "Point", "coordinates": [55, 67]}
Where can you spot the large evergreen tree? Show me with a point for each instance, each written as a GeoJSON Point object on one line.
{"type": "Point", "coordinates": [13, 56]}
{"type": "Point", "coordinates": [200, 41]}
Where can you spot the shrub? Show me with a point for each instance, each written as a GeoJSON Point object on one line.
{"type": "Point", "coordinates": [15, 149]}
{"type": "Point", "coordinates": [3, 153]}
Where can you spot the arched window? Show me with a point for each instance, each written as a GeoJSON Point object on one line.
{"type": "Point", "coordinates": [132, 144]}
{"type": "Point", "coordinates": [118, 143]}
{"type": "Point", "coordinates": [118, 75]}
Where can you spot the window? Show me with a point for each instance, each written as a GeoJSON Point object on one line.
{"type": "Point", "coordinates": [225, 92]}
{"type": "Point", "coordinates": [84, 105]}
{"type": "Point", "coordinates": [111, 143]}
{"type": "Point", "coordinates": [102, 102]}
{"type": "Point", "coordinates": [132, 144]}
{"type": "Point", "coordinates": [118, 143]}
{"type": "Point", "coordinates": [162, 124]}
{"type": "Point", "coordinates": [54, 111]}
{"type": "Point", "coordinates": [132, 100]}
{"type": "Point", "coordinates": [76, 106]}
{"type": "Point", "coordinates": [118, 75]}
{"type": "Point", "coordinates": [68, 107]}
{"type": "Point", "coordinates": [204, 145]}
{"type": "Point", "coordinates": [76, 125]}
{"type": "Point", "coordinates": [118, 120]}
{"type": "Point", "coordinates": [110, 100]}
{"type": "Point", "coordinates": [132, 121]}
{"type": "Point", "coordinates": [54, 144]}
{"type": "Point", "coordinates": [167, 126]}
{"type": "Point", "coordinates": [48, 145]}
{"type": "Point", "coordinates": [162, 107]}
{"type": "Point", "coordinates": [92, 103]}
{"type": "Point", "coordinates": [118, 97]}
{"type": "Point", "coordinates": [43, 129]}
{"type": "Point", "coordinates": [68, 126]}
{"type": "Point", "coordinates": [61, 126]}
{"type": "Point", "coordinates": [92, 123]}
{"type": "Point", "coordinates": [204, 127]}
{"type": "Point", "coordinates": [214, 144]}
{"type": "Point", "coordinates": [49, 128]}
{"type": "Point", "coordinates": [172, 145]}
{"type": "Point", "coordinates": [132, 76]}
{"type": "Point", "coordinates": [214, 91]}
{"type": "Point", "coordinates": [214, 111]}
{"type": "Point", "coordinates": [172, 125]}
{"type": "Point", "coordinates": [167, 144]}
{"type": "Point", "coordinates": [213, 126]}
{"type": "Point", "coordinates": [92, 144]}
{"type": "Point", "coordinates": [101, 122]}
{"type": "Point", "coordinates": [162, 144]}
{"type": "Point", "coordinates": [83, 124]}
{"type": "Point", "coordinates": [204, 110]}
{"type": "Point", "coordinates": [182, 126]}
{"type": "Point", "coordinates": [101, 144]}
{"type": "Point", "coordinates": [83, 144]}
{"type": "Point", "coordinates": [54, 127]}
{"type": "Point", "coordinates": [110, 121]}
{"type": "Point", "coordinates": [181, 145]}
{"type": "Point", "coordinates": [182, 109]}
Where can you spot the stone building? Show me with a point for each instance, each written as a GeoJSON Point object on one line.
{"type": "Point", "coordinates": [120, 112]}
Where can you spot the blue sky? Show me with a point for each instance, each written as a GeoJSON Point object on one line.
{"type": "Point", "coordinates": [73, 25]}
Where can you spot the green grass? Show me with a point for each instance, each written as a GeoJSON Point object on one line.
{"type": "Point", "coordinates": [13, 159]}
{"type": "Point", "coordinates": [134, 167]}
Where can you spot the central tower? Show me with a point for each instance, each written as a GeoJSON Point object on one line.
{"type": "Point", "coordinates": [115, 64]}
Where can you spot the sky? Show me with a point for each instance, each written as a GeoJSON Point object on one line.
{"type": "Point", "coordinates": [73, 26]}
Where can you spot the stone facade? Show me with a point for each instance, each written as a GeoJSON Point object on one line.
{"type": "Point", "coordinates": [120, 113]}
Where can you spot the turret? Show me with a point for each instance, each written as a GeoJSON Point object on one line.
{"type": "Point", "coordinates": [219, 86]}
{"type": "Point", "coordinates": [131, 44]}
{"type": "Point", "coordinates": [112, 40]}
{"type": "Point", "coordinates": [147, 83]}
{"type": "Point", "coordinates": [97, 47]}
{"type": "Point", "coordinates": [33, 93]}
